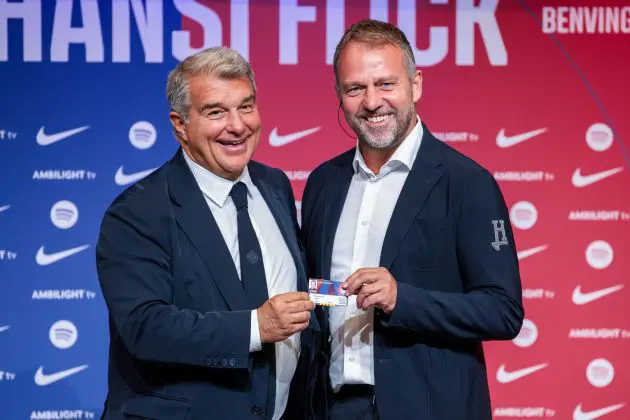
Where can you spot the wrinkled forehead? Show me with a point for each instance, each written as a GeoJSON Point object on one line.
{"type": "Point", "coordinates": [233, 91]}
{"type": "Point", "coordinates": [360, 60]}
{"type": "Point", "coordinates": [359, 56]}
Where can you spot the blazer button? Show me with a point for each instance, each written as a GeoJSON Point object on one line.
{"type": "Point", "coordinates": [255, 410]}
{"type": "Point", "coordinates": [232, 362]}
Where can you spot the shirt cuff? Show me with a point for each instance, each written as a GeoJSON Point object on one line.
{"type": "Point", "coordinates": [254, 336]}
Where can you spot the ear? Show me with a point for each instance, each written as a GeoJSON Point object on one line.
{"type": "Point", "coordinates": [338, 94]}
{"type": "Point", "coordinates": [416, 86]}
{"type": "Point", "coordinates": [179, 124]}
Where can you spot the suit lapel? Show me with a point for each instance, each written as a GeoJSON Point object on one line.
{"type": "Point", "coordinates": [284, 222]}
{"type": "Point", "coordinates": [335, 196]}
{"type": "Point", "coordinates": [423, 176]}
{"type": "Point", "coordinates": [196, 220]}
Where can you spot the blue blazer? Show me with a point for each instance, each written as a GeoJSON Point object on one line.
{"type": "Point", "coordinates": [179, 317]}
{"type": "Point", "coordinates": [455, 288]}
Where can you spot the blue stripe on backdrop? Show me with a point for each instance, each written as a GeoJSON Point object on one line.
{"type": "Point", "coordinates": [45, 102]}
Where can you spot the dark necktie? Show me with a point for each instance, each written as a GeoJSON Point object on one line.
{"type": "Point", "coordinates": [254, 283]}
{"type": "Point", "coordinates": [252, 267]}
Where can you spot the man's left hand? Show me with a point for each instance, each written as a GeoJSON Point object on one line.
{"type": "Point", "coordinates": [373, 287]}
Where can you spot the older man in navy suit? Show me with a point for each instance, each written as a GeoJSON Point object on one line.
{"type": "Point", "coordinates": [421, 236]}
{"type": "Point", "coordinates": [201, 268]}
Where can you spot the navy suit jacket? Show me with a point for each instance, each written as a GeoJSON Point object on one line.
{"type": "Point", "coordinates": [179, 317]}
{"type": "Point", "coordinates": [455, 289]}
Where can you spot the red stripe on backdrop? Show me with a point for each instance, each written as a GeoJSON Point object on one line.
{"type": "Point", "coordinates": [549, 124]}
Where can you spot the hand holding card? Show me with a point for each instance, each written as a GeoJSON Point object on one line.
{"type": "Point", "coordinates": [327, 292]}
{"type": "Point", "coordinates": [374, 287]}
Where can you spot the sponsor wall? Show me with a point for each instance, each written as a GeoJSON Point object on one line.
{"type": "Point", "coordinates": [535, 91]}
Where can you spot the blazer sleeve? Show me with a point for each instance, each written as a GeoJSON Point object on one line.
{"type": "Point", "coordinates": [490, 308]}
{"type": "Point", "coordinates": [134, 265]}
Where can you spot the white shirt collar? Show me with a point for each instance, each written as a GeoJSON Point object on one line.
{"type": "Point", "coordinates": [404, 155]}
{"type": "Point", "coordinates": [215, 187]}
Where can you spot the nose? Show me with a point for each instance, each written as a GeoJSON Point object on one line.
{"type": "Point", "coordinates": [371, 99]}
{"type": "Point", "coordinates": [235, 123]}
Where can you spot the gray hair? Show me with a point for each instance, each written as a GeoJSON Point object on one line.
{"type": "Point", "coordinates": [374, 33]}
{"type": "Point", "coordinates": [221, 62]}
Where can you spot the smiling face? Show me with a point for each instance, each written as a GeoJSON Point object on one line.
{"type": "Point", "coordinates": [223, 126]}
{"type": "Point", "coordinates": [377, 96]}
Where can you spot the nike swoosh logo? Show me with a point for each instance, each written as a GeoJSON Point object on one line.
{"type": "Point", "coordinates": [578, 414]}
{"type": "Point", "coordinates": [44, 139]}
{"type": "Point", "coordinates": [46, 259]}
{"type": "Point", "coordinates": [580, 180]}
{"type": "Point", "coordinates": [42, 379]}
{"type": "Point", "coordinates": [505, 377]}
{"type": "Point", "coordinates": [529, 252]}
{"type": "Point", "coordinates": [276, 140]}
{"type": "Point", "coordinates": [4, 328]}
{"type": "Point", "coordinates": [580, 298]}
{"type": "Point", "coordinates": [509, 141]}
{"type": "Point", "coordinates": [3, 208]}
{"type": "Point", "coordinates": [122, 178]}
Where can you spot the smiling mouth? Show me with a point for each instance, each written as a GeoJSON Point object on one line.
{"type": "Point", "coordinates": [232, 143]}
{"type": "Point", "coordinates": [378, 118]}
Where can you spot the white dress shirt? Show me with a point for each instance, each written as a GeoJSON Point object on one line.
{"type": "Point", "coordinates": [358, 242]}
{"type": "Point", "coordinates": [280, 270]}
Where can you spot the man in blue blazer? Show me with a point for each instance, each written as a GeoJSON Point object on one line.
{"type": "Point", "coordinates": [420, 235]}
{"type": "Point", "coordinates": [201, 268]}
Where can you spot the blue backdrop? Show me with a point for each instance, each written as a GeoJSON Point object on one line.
{"type": "Point", "coordinates": [48, 367]}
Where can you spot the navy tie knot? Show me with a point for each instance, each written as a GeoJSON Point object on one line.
{"type": "Point", "coordinates": [239, 195]}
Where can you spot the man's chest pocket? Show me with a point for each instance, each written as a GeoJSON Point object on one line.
{"type": "Point", "coordinates": [429, 244]}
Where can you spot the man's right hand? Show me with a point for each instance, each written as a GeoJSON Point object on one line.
{"type": "Point", "coordinates": [283, 315]}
